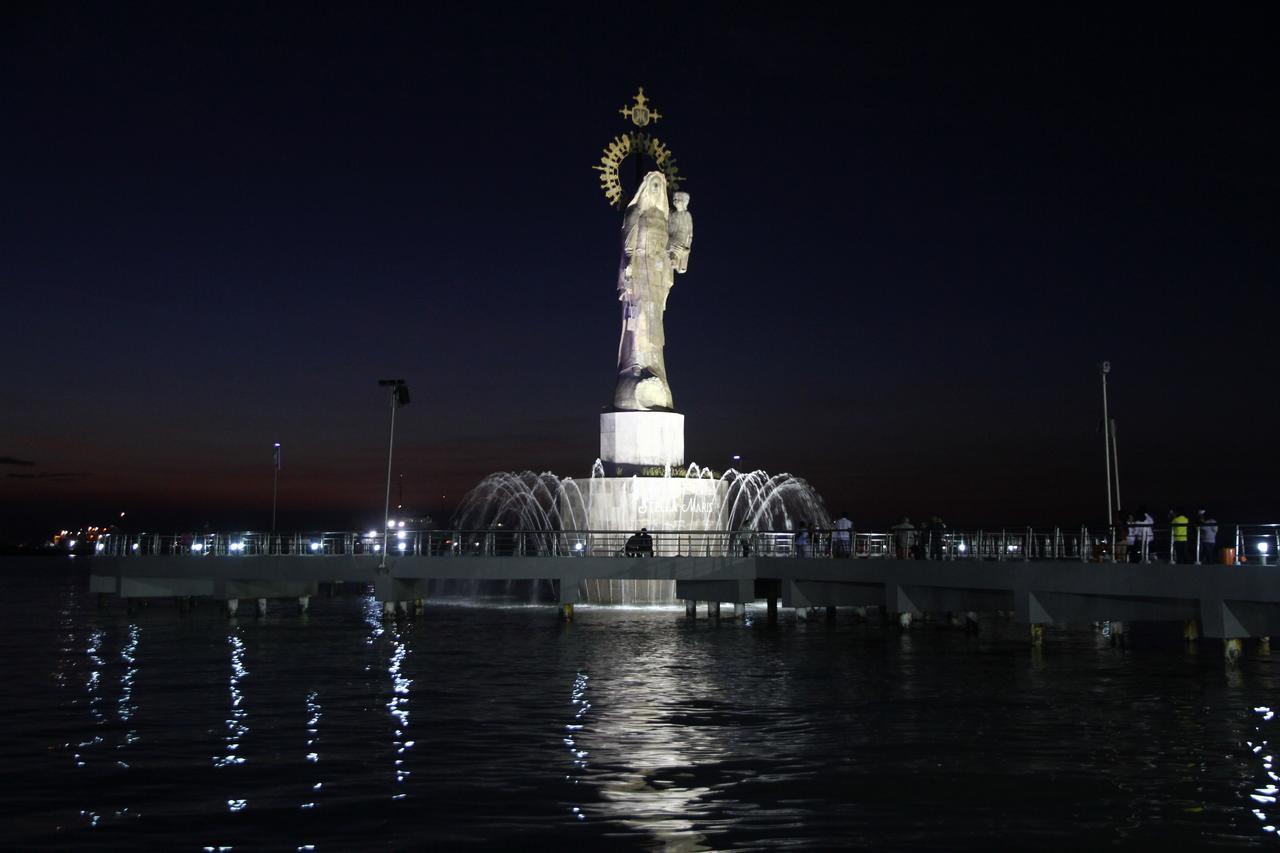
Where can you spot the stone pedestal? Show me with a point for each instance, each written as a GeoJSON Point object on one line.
{"type": "Point", "coordinates": [642, 438]}
{"type": "Point", "coordinates": [676, 511]}
{"type": "Point", "coordinates": [666, 506]}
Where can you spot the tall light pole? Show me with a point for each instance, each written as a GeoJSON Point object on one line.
{"type": "Point", "coordinates": [399, 397]}
{"type": "Point", "coordinates": [1106, 436]}
{"type": "Point", "coordinates": [275, 483]}
{"type": "Point", "coordinates": [1115, 464]}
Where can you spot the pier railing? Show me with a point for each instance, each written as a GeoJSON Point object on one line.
{"type": "Point", "coordinates": [1254, 543]}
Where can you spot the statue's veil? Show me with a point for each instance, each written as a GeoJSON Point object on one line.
{"type": "Point", "coordinates": [652, 193]}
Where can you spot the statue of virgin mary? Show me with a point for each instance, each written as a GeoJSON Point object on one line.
{"type": "Point", "coordinates": [645, 277]}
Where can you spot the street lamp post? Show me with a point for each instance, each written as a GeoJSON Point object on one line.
{"type": "Point", "coordinates": [399, 397]}
{"type": "Point", "coordinates": [1106, 437]}
{"type": "Point", "coordinates": [275, 483]}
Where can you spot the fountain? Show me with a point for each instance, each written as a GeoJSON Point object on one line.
{"type": "Point", "coordinates": [547, 515]}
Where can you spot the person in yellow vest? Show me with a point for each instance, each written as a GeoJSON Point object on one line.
{"type": "Point", "coordinates": [1178, 532]}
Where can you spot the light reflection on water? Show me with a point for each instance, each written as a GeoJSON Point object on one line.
{"type": "Point", "coordinates": [632, 728]}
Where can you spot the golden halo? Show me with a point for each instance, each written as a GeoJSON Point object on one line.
{"type": "Point", "coordinates": [624, 146]}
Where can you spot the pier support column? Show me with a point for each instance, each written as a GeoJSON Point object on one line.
{"type": "Point", "coordinates": [419, 606]}
{"type": "Point", "coordinates": [1231, 649]}
{"type": "Point", "coordinates": [773, 610]}
{"type": "Point", "coordinates": [831, 614]}
{"type": "Point", "coordinates": [1037, 635]}
{"type": "Point", "coordinates": [402, 608]}
{"type": "Point", "coordinates": [566, 611]}
{"type": "Point", "coordinates": [388, 609]}
{"type": "Point", "coordinates": [304, 602]}
{"type": "Point", "coordinates": [713, 610]}
{"type": "Point", "coordinates": [1264, 646]}
{"type": "Point", "coordinates": [971, 622]}
{"type": "Point", "coordinates": [1191, 630]}
{"type": "Point", "coordinates": [690, 608]}
{"type": "Point", "coordinates": [904, 620]}
{"type": "Point", "coordinates": [233, 604]}
{"type": "Point", "coordinates": [262, 607]}
{"type": "Point", "coordinates": [739, 610]}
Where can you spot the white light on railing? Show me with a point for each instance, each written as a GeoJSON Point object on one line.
{"type": "Point", "coordinates": [401, 524]}
{"type": "Point", "coordinates": [962, 547]}
{"type": "Point", "coordinates": [71, 543]}
{"type": "Point", "coordinates": [315, 546]}
{"type": "Point", "coordinates": [391, 523]}
{"type": "Point", "coordinates": [236, 546]}
{"type": "Point", "coordinates": [400, 534]}
{"type": "Point", "coordinates": [377, 548]}
{"type": "Point", "coordinates": [372, 533]}
{"type": "Point", "coordinates": [1012, 548]}
{"type": "Point", "coordinates": [402, 546]}
{"type": "Point", "coordinates": [135, 546]}
{"type": "Point", "coordinates": [577, 546]}
{"type": "Point", "coordinates": [101, 547]}
{"type": "Point", "coordinates": [197, 547]}
{"type": "Point", "coordinates": [1263, 547]}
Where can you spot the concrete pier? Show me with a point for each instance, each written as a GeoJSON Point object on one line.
{"type": "Point", "coordinates": [1227, 602]}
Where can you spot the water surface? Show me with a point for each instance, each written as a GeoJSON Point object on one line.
{"type": "Point", "coordinates": [500, 727]}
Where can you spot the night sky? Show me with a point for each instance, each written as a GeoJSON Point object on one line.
{"type": "Point", "coordinates": [918, 232]}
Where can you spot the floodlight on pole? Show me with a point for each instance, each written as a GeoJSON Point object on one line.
{"type": "Point", "coordinates": [399, 397]}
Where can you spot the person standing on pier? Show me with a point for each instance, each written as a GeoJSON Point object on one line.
{"type": "Point", "coordinates": [1120, 535]}
{"type": "Point", "coordinates": [842, 538]}
{"type": "Point", "coordinates": [937, 534]}
{"type": "Point", "coordinates": [904, 533]}
{"type": "Point", "coordinates": [1208, 537]}
{"type": "Point", "coordinates": [1178, 535]}
{"type": "Point", "coordinates": [1145, 528]}
{"type": "Point", "coordinates": [802, 540]}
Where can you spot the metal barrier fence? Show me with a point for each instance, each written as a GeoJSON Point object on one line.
{"type": "Point", "coordinates": [1255, 543]}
